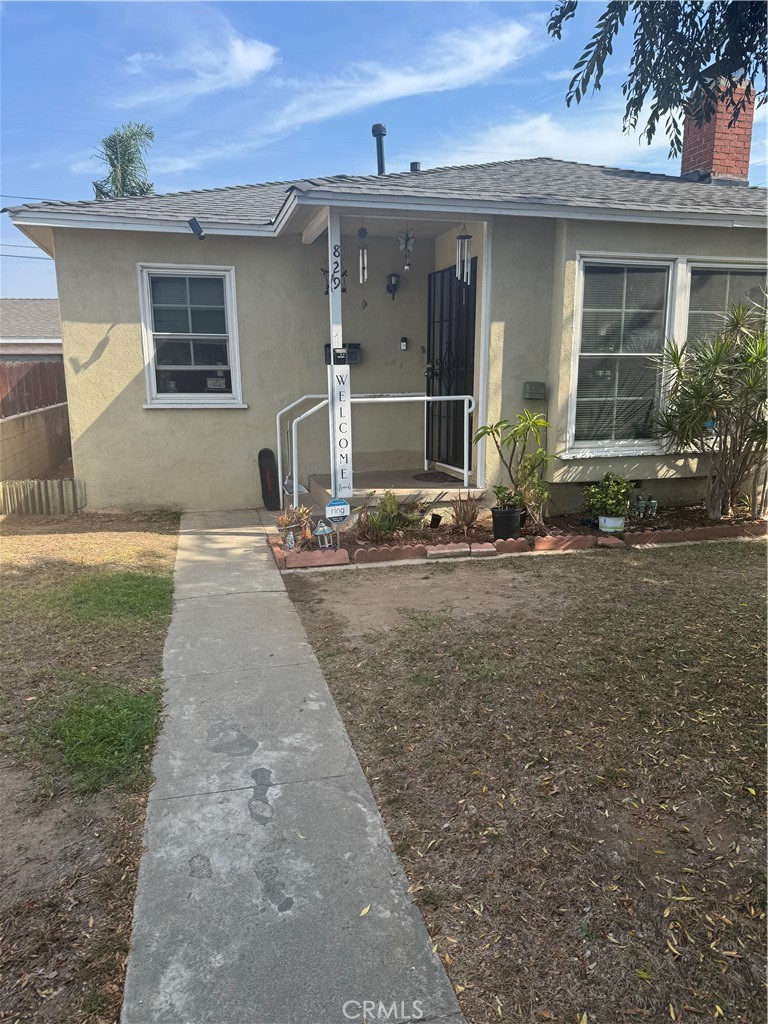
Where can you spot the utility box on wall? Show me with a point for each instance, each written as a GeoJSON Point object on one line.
{"type": "Point", "coordinates": [351, 353]}
{"type": "Point", "coordinates": [535, 390]}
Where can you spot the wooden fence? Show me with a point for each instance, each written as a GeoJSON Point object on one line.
{"type": "Point", "coordinates": [25, 387]}
{"type": "Point", "coordinates": [42, 497]}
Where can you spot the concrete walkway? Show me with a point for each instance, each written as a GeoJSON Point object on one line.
{"type": "Point", "coordinates": [263, 841]}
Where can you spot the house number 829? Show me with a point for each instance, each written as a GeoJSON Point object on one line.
{"type": "Point", "coordinates": [336, 268]}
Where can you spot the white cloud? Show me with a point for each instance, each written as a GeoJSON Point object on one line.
{"type": "Point", "coordinates": [558, 76]}
{"type": "Point", "coordinates": [449, 61]}
{"type": "Point", "coordinates": [594, 138]}
{"type": "Point", "coordinates": [208, 63]}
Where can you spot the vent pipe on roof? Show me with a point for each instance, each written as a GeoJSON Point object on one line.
{"type": "Point", "coordinates": [378, 131]}
{"type": "Point", "coordinates": [415, 166]}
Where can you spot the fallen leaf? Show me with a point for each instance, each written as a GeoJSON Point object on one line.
{"type": "Point", "coordinates": [365, 910]}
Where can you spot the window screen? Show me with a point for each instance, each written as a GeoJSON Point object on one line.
{"type": "Point", "coordinates": [622, 329]}
{"type": "Point", "coordinates": [714, 292]}
{"type": "Point", "coordinates": [190, 336]}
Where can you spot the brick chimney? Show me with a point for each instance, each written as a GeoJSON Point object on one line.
{"type": "Point", "coordinates": [716, 151]}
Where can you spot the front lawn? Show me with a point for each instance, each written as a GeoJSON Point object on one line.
{"type": "Point", "coordinates": [86, 605]}
{"type": "Point", "coordinates": [568, 752]}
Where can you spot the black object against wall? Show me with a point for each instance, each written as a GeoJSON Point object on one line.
{"type": "Point", "coordinates": [270, 485]}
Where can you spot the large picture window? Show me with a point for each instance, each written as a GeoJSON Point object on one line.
{"type": "Point", "coordinates": [189, 329]}
{"type": "Point", "coordinates": [623, 326]}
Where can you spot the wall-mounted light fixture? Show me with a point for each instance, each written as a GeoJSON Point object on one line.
{"type": "Point", "coordinates": [194, 227]}
{"type": "Point", "coordinates": [393, 283]}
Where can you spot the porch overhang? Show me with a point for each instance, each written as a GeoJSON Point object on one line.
{"type": "Point", "coordinates": [460, 208]}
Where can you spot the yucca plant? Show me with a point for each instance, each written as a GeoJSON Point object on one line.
{"type": "Point", "coordinates": [464, 511]}
{"type": "Point", "coordinates": [716, 406]}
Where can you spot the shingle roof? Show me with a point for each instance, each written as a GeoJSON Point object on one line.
{"type": "Point", "coordinates": [29, 318]}
{"type": "Point", "coordinates": [540, 181]}
{"type": "Point", "coordinates": [236, 204]}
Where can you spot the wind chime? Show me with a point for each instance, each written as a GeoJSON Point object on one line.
{"type": "Point", "coordinates": [362, 234]}
{"type": "Point", "coordinates": [464, 256]}
{"type": "Point", "coordinates": [407, 241]}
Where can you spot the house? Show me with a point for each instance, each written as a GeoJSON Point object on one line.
{"type": "Point", "coordinates": [30, 329]}
{"type": "Point", "coordinates": [195, 324]}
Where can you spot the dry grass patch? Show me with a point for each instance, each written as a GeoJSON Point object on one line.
{"type": "Point", "coordinates": [575, 785]}
{"type": "Point", "coordinates": [86, 605]}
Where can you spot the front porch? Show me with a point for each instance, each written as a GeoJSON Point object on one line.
{"type": "Point", "coordinates": [408, 329]}
{"type": "Point", "coordinates": [408, 486]}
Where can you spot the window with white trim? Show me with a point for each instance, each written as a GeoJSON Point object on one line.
{"type": "Point", "coordinates": [714, 291]}
{"type": "Point", "coordinates": [190, 336]}
{"type": "Point", "coordinates": [623, 327]}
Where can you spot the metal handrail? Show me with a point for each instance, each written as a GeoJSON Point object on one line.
{"type": "Point", "coordinates": [469, 407]}
{"type": "Point", "coordinates": [279, 432]}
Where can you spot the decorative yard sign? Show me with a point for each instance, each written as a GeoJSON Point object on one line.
{"type": "Point", "coordinates": [337, 511]}
{"type": "Point", "coordinates": [339, 377]}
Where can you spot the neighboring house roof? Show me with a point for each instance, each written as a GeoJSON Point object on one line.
{"type": "Point", "coordinates": [542, 184]}
{"type": "Point", "coordinates": [32, 319]}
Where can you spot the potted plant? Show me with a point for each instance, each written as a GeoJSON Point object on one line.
{"type": "Point", "coordinates": [528, 493]}
{"type": "Point", "coordinates": [609, 501]}
{"type": "Point", "coordinates": [507, 513]}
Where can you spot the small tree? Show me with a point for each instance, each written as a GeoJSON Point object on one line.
{"type": "Point", "coordinates": [716, 405]}
{"type": "Point", "coordinates": [523, 466]}
{"type": "Point", "coordinates": [123, 152]}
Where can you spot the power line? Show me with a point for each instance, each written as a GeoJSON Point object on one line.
{"type": "Point", "coordinates": [15, 256]}
{"type": "Point", "coordinates": [10, 195]}
{"type": "Point", "coordinates": [15, 245]}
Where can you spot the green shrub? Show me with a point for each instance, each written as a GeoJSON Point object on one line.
{"type": "Point", "coordinates": [610, 497]}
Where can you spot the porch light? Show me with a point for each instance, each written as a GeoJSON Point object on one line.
{"type": "Point", "coordinates": [393, 283]}
{"type": "Point", "coordinates": [323, 533]}
{"type": "Point", "coordinates": [464, 256]}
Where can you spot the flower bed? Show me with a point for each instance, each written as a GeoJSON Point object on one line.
{"type": "Point", "coordinates": [480, 544]}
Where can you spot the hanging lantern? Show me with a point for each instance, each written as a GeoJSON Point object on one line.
{"type": "Point", "coordinates": [464, 256]}
{"type": "Point", "coordinates": [324, 532]}
{"type": "Point", "coordinates": [407, 241]}
{"type": "Point", "coordinates": [362, 234]}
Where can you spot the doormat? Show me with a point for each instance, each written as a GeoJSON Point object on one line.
{"type": "Point", "coordinates": [434, 476]}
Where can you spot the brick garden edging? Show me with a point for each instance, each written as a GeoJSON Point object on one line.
{"type": "Point", "coordinates": [566, 542]}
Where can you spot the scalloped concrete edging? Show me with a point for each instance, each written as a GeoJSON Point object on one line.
{"type": "Point", "coordinates": [567, 542]}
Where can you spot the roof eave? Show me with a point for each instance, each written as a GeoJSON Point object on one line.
{"type": "Point", "coordinates": [22, 218]}
{"type": "Point", "coordinates": [515, 208]}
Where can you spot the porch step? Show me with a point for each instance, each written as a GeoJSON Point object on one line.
{"type": "Point", "coordinates": [408, 490]}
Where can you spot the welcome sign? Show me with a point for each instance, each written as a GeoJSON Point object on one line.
{"type": "Point", "coordinates": [339, 377]}
{"type": "Point", "coordinates": [341, 406]}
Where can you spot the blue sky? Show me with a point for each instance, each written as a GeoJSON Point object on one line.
{"type": "Point", "coordinates": [248, 92]}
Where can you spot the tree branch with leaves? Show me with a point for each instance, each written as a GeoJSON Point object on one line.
{"type": "Point", "coordinates": [687, 57]}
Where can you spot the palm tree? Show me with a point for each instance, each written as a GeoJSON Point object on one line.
{"type": "Point", "coordinates": [123, 151]}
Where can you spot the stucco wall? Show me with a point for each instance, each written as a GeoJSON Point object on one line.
{"type": "Point", "coordinates": [33, 443]}
{"type": "Point", "coordinates": [532, 307]}
{"type": "Point", "coordinates": [522, 274]}
{"type": "Point", "coordinates": [207, 458]}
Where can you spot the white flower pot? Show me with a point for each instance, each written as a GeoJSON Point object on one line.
{"type": "Point", "coordinates": [611, 524]}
